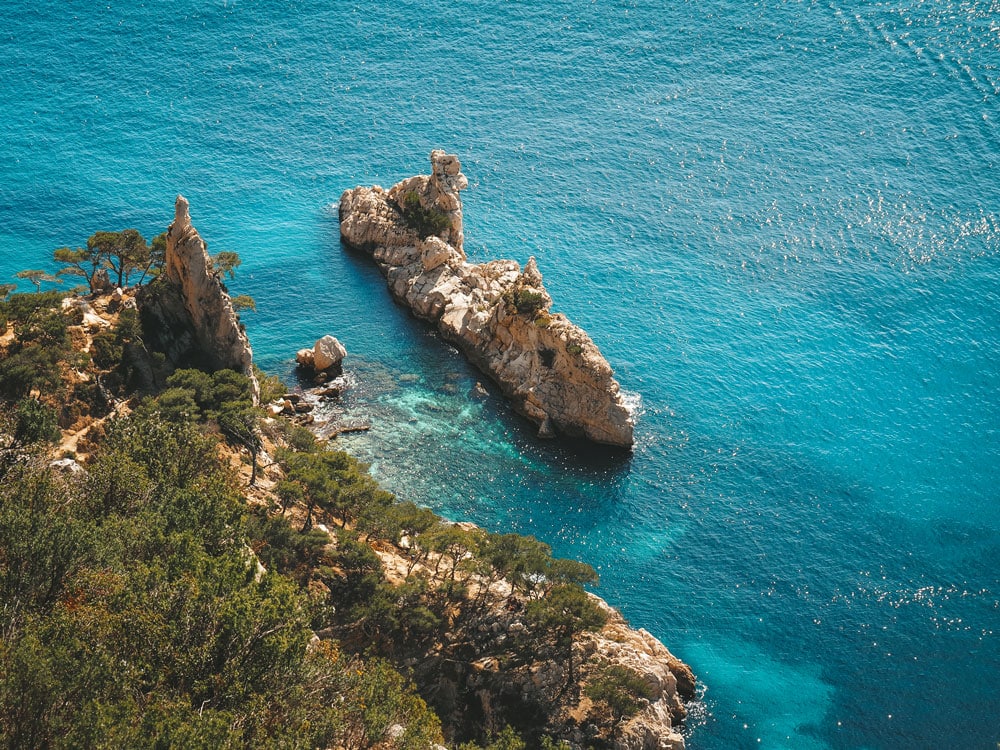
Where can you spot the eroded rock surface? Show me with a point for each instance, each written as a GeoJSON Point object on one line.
{"type": "Point", "coordinates": [498, 314]}
{"type": "Point", "coordinates": [193, 312]}
{"type": "Point", "coordinates": [481, 679]}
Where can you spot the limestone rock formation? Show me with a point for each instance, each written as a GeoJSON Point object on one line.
{"type": "Point", "coordinates": [671, 680]}
{"type": "Point", "coordinates": [492, 667]}
{"type": "Point", "coordinates": [326, 355]}
{"type": "Point", "coordinates": [191, 308]}
{"type": "Point", "coordinates": [472, 662]}
{"type": "Point", "coordinates": [498, 314]}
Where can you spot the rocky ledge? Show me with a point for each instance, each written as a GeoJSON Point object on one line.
{"type": "Point", "coordinates": [498, 314]}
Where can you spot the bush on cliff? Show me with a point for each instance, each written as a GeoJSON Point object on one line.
{"type": "Point", "coordinates": [525, 301]}
{"type": "Point", "coordinates": [622, 690]}
{"type": "Point", "coordinates": [426, 222]}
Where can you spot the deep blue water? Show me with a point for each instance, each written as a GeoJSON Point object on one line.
{"type": "Point", "coordinates": [779, 220]}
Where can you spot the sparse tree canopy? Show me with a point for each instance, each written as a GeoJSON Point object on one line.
{"type": "Point", "coordinates": [36, 277]}
{"type": "Point", "coordinates": [157, 256]}
{"type": "Point", "coordinates": [244, 302]}
{"type": "Point", "coordinates": [565, 612]}
{"type": "Point", "coordinates": [79, 261]}
{"type": "Point", "coordinates": [226, 263]}
{"type": "Point", "coordinates": [621, 689]}
{"type": "Point", "coordinates": [122, 252]}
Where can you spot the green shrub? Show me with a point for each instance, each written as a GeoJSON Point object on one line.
{"type": "Point", "coordinates": [621, 689]}
{"type": "Point", "coordinates": [35, 422]}
{"type": "Point", "coordinates": [525, 301]}
{"type": "Point", "coordinates": [424, 221]}
{"type": "Point", "coordinates": [271, 386]}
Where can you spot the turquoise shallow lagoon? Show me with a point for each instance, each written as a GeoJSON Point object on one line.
{"type": "Point", "coordinates": [779, 221]}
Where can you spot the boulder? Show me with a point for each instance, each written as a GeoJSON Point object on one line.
{"type": "Point", "coordinates": [435, 252]}
{"type": "Point", "coordinates": [305, 358]}
{"type": "Point", "coordinates": [328, 353]}
{"type": "Point", "coordinates": [115, 301]}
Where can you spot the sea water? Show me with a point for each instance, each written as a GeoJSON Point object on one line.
{"type": "Point", "coordinates": [778, 220]}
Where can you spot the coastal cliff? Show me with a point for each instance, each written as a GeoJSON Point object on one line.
{"type": "Point", "coordinates": [496, 313]}
{"type": "Point", "coordinates": [476, 676]}
{"type": "Point", "coordinates": [188, 314]}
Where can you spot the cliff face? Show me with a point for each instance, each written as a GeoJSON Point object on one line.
{"type": "Point", "coordinates": [498, 314]}
{"type": "Point", "coordinates": [478, 678]}
{"type": "Point", "coordinates": [194, 319]}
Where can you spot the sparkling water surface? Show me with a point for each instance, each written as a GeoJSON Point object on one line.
{"type": "Point", "coordinates": [778, 220]}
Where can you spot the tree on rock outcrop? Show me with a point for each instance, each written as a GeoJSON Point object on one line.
{"type": "Point", "coordinates": [157, 257]}
{"type": "Point", "coordinates": [226, 263]}
{"type": "Point", "coordinates": [563, 613]}
{"type": "Point", "coordinates": [122, 252]}
{"type": "Point", "coordinates": [78, 261]}
{"type": "Point", "coordinates": [36, 277]}
{"type": "Point", "coordinates": [621, 689]}
{"type": "Point", "coordinates": [244, 302]}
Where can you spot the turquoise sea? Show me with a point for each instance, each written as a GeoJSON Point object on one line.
{"type": "Point", "coordinates": [779, 220]}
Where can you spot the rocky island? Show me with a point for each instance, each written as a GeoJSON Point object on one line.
{"type": "Point", "coordinates": [497, 313]}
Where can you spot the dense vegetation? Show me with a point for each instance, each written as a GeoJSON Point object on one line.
{"type": "Point", "coordinates": [152, 599]}
{"type": "Point", "coordinates": [424, 221]}
{"type": "Point", "coordinates": [134, 615]}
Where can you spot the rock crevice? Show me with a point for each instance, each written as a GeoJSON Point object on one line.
{"type": "Point", "coordinates": [497, 313]}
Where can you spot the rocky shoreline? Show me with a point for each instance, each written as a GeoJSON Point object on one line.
{"type": "Point", "coordinates": [498, 314]}
{"type": "Point", "coordinates": [193, 304]}
{"type": "Point", "coordinates": [466, 661]}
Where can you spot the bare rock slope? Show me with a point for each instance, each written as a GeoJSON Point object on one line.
{"type": "Point", "coordinates": [498, 314]}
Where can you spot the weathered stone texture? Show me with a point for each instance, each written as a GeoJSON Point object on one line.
{"type": "Point", "coordinates": [499, 315]}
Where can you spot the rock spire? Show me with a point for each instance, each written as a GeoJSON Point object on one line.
{"type": "Point", "coordinates": [196, 307]}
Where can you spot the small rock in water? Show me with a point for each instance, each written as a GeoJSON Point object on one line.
{"type": "Point", "coordinates": [547, 431]}
{"type": "Point", "coordinates": [409, 378]}
{"type": "Point", "coordinates": [479, 392]}
{"type": "Point", "coordinates": [328, 353]}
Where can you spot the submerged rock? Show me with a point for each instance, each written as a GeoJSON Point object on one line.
{"type": "Point", "coordinates": [498, 314]}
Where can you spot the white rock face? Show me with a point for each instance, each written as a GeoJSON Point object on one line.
{"type": "Point", "coordinates": [215, 324]}
{"type": "Point", "coordinates": [305, 358]}
{"type": "Point", "coordinates": [498, 315]}
{"type": "Point", "coordinates": [328, 353]}
{"type": "Point", "coordinates": [671, 681]}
